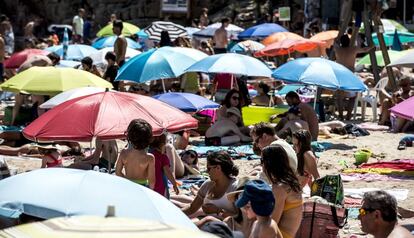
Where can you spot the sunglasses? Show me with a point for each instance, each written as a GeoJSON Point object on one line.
{"type": "Point", "coordinates": [364, 211]}
{"type": "Point", "coordinates": [235, 98]}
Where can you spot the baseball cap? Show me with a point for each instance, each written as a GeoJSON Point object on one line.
{"type": "Point", "coordinates": [260, 195]}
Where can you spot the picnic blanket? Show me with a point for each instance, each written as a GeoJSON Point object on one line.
{"type": "Point", "coordinates": [244, 152]}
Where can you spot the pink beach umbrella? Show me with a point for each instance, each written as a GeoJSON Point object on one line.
{"type": "Point", "coordinates": [106, 116]}
{"type": "Point", "coordinates": [404, 109]}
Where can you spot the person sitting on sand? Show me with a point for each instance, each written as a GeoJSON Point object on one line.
{"type": "Point", "coordinates": [262, 98]}
{"type": "Point", "coordinates": [139, 165]}
{"type": "Point", "coordinates": [307, 167]}
{"type": "Point", "coordinates": [232, 99]}
{"type": "Point", "coordinates": [293, 124]}
{"type": "Point", "coordinates": [162, 166]}
{"type": "Point", "coordinates": [226, 131]}
{"type": "Point", "coordinates": [190, 161]}
{"type": "Point", "coordinates": [51, 156]}
{"type": "Point", "coordinates": [378, 216]}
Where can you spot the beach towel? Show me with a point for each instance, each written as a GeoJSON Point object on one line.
{"type": "Point", "coordinates": [370, 126]}
{"type": "Point", "coordinates": [399, 194]}
{"type": "Point", "coordinates": [386, 171]}
{"type": "Point", "coordinates": [405, 164]}
{"type": "Point", "coordinates": [371, 177]}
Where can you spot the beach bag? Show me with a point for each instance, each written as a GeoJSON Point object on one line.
{"type": "Point", "coordinates": [321, 220]}
{"type": "Point", "coordinates": [329, 188]}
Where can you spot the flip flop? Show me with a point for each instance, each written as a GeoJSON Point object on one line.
{"type": "Point", "coordinates": [402, 145]}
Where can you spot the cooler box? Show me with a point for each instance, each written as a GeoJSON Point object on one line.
{"type": "Point", "coordinates": [255, 114]}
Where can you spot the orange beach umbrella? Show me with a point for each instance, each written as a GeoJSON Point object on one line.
{"type": "Point", "coordinates": [288, 46]}
{"type": "Point", "coordinates": [279, 36]}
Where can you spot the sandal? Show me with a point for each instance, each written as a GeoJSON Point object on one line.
{"type": "Point", "coordinates": [402, 145]}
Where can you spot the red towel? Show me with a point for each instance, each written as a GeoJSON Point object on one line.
{"type": "Point", "coordinates": [406, 164]}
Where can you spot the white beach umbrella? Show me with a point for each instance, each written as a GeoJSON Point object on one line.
{"type": "Point", "coordinates": [99, 57]}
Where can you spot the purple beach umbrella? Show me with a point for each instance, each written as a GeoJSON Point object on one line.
{"type": "Point", "coordinates": [404, 109]}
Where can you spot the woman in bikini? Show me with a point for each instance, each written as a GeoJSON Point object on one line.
{"type": "Point", "coordinates": [286, 189]}
{"type": "Point", "coordinates": [307, 162]}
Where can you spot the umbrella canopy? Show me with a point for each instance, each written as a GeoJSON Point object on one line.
{"type": "Point", "coordinates": [389, 26]}
{"type": "Point", "coordinates": [161, 63]}
{"type": "Point", "coordinates": [68, 64]}
{"type": "Point", "coordinates": [109, 41]}
{"type": "Point", "coordinates": [19, 58]}
{"type": "Point", "coordinates": [247, 46]}
{"type": "Point", "coordinates": [127, 30]}
{"type": "Point", "coordinates": [59, 192]}
{"type": "Point", "coordinates": [394, 55]}
{"type": "Point", "coordinates": [74, 52]}
{"type": "Point", "coordinates": [209, 31]}
{"type": "Point", "coordinates": [279, 36]}
{"type": "Point", "coordinates": [404, 61]}
{"type": "Point", "coordinates": [261, 31]}
{"type": "Point", "coordinates": [174, 30]}
{"type": "Point", "coordinates": [319, 72]}
{"type": "Point", "coordinates": [100, 227]}
{"type": "Point", "coordinates": [186, 102]}
{"type": "Point", "coordinates": [404, 109]}
{"type": "Point", "coordinates": [105, 116]}
{"type": "Point", "coordinates": [404, 37]}
{"type": "Point", "coordinates": [327, 36]}
{"type": "Point", "coordinates": [288, 46]}
{"type": "Point", "coordinates": [99, 57]}
{"type": "Point", "coordinates": [52, 80]}
{"type": "Point", "coordinates": [231, 63]}
{"type": "Point", "coordinates": [70, 94]}
{"type": "Point", "coordinates": [191, 30]}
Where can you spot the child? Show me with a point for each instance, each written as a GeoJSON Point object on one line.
{"type": "Point", "coordinates": [258, 201]}
{"type": "Point", "coordinates": [138, 163]}
{"type": "Point", "coordinates": [162, 167]}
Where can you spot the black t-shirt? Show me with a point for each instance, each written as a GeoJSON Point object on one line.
{"type": "Point", "coordinates": [111, 73]}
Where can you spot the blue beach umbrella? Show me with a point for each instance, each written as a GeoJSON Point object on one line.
{"type": "Point", "coordinates": [162, 63]}
{"type": "Point", "coordinates": [109, 41]}
{"type": "Point", "coordinates": [232, 63]}
{"type": "Point", "coordinates": [65, 43]}
{"type": "Point", "coordinates": [74, 52]}
{"type": "Point", "coordinates": [247, 47]}
{"type": "Point", "coordinates": [60, 192]}
{"type": "Point", "coordinates": [404, 37]}
{"type": "Point", "coordinates": [261, 31]}
{"type": "Point", "coordinates": [67, 64]}
{"type": "Point", "coordinates": [186, 102]}
{"type": "Point", "coordinates": [319, 72]}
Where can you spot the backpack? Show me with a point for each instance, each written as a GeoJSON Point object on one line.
{"type": "Point", "coordinates": [330, 188]}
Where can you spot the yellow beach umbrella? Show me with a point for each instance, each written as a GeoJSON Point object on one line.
{"type": "Point", "coordinates": [52, 81]}
{"type": "Point", "coordinates": [100, 227]}
{"type": "Point", "coordinates": [127, 30]}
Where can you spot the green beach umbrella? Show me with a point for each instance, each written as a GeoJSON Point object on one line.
{"type": "Point", "coordinates": [394, 55]}
{"type": "Point", "coordinates": [389, 26]}
{"type": "Point", "coordinates": [52, 81]}
{"type": "Point", "coordinates": [127, 30]}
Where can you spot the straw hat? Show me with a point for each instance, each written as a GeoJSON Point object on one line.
{"type": "Point", "coordinates": [234, 111]}
{"type": "Point", "coordinates": [232, 196]}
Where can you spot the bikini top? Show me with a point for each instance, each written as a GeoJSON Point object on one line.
{"type": "Point", "coordinates": [222, 202]}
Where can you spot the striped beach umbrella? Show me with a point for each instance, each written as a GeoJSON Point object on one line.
{"type": "Point", "coordinates": [65, 43]}
{"type": "Point", "coordinates": [174, 30]}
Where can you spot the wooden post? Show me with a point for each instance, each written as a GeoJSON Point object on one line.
{"type": "Point", "coordinates": [368, 34]}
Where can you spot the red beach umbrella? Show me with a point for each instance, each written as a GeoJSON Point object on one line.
{"type": "Point", "coordinates": [105, 116]}
{"type": "Point", "coordinates": [288, 46]}
{"type": "Point", "coordinates": [19, 58]}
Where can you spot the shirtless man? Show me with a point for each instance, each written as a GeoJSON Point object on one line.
{"type": "Point", "coordinates": [120, 45]}
{"type": "Point", "coordinates": [2, 56]}
{"type": "Point", "coordinates": [138, 164]}
{"type": "Point", "coordinates": [221, 38]}
{"type": "Point", "coordinates": [258, 201]}
{"type": "Point", "coordinates": [225, 131]}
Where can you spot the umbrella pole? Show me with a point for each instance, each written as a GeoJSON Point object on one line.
{"type": "Point", "coordinates": [314, 99]}
{"type": "Point", "coordinates": [163, 85]}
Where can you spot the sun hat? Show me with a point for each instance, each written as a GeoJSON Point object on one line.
{"type": "Point", "coordinates": [260, 195]}
{"type": "Point", "coordinates": [234, 111]}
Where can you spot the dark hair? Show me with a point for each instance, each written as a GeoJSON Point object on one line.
{"type": "Point", "coordinates": [158, 141]}
{"type": "Point", "coordinates": [384, 202]}
{"type": "Point", "coordinates": [228, 96]}
{"type": "Point", "coordinates": [292, 95]}
{"type": "Point", "coordinates": [165, 39]}
{"type": "Point", "coordinates": [276, 166]}
{"type": "Point", "coordinates": [110, 55]}
{"type": "Point", "coordinates": [55, 58]}
{"type": "Point", "coordinates": [139, 133]}
{"type": "Point", "coordinates": [263, 127]}
{"type": "Point", "coordinates": [344, 40]}
{"type": "Point", "coordinates": [225, 20]}
{"type": "Point", "coordinates": [88, 61]}
{"type": "Point", "coordinates": [264, 87]}
{"type": "Point", "coordinates": [304, 138]}
{"type": "Point", "coordinates": [223, 159]}
{"type": "Point", "coordinates": [193, 154]}
{"type": "Point", "coordinates": [118, 23]}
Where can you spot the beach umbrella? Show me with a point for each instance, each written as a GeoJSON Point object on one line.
{"type": "Point", "coordinates": [127, 30]}
{"type": "Point", "coordinates": [109, 41]}
{"type": "Point", "coordinates": [61, 192]}
{"type": "Point", "coordinates": [404, 61]}
{"type": "Point", "coordinates": [19, 58]}
{"type": "Point", "coordinates": [99, 57]}
{"type": "Point", "coordinates": [187, 102]}
{"type": "Point", "coordinates": [70, 94]}
{"type": "Point", "coordinates": [404, 109]}
{"type": "Point", "coordinates": [288, 46]}
{"type": "Point", "coordinates": [68, 64]}
{"type": "Point", "coordinates": [65, 43]}
{"type": "Point", "coordinates": [231, 63]}
{"type": "Point", "coordinates": [404, 37]}
{"type": "Point", "coordinates": [232, 30]}
{"type": "Point", "coordinates": [389, 26]}
{"type": "Point", "coordinates": [246, 47]}
{"type": "Point", "coordinates": [326, 36]}
{"type": "Point", "coordinates": [174, 30]}
{"type": "Point", "coordinates": [51, 81]}
{"type": "Point", "coordinates": [261, 31]}
{"type": "Point", "coordinates": [105, 116]}
{"type": "Point", "coordinates": [319, 72]}
{"type": "Point", "coordinates": [191, 30]}
{"type": "Point", "coordinates": [101, 227]}
{"type": "Point", "coordinates": [74, 52]}
{"type": "Point", "coordinates": [161, 63]}
{"type": "Point", "coordinates": [394, 55]}
{"type": "Point", "coordinates": [142, 34]}
{"type": "Point", "coordinates": [279, 36]}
